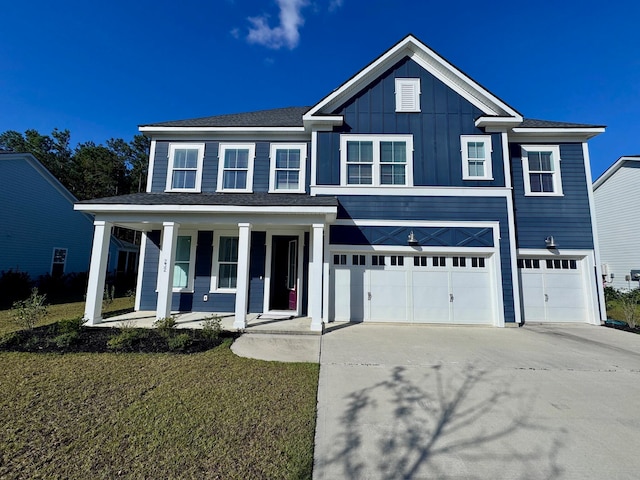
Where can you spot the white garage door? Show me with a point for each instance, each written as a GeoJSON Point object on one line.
{"type": "Point", "coordinates": [411, 288]}
{"type": "Point", "coordinates": [553, 290]}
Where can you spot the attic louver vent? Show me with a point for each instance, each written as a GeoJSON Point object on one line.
{"type": "Point", "coordinates": [407, 94]}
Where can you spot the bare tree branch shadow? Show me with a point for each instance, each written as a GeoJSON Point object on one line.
{"type": "Point", "coordinates": [446, 424]}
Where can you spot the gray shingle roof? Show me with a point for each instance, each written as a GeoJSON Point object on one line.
{"type": "Point", "coordinates": [533, 123]}
{"type": "Point", "coordinates": [258, 199]}
{"type": "Point", "coordinates": [279, 117]}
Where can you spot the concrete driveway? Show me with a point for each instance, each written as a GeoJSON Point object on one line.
{"type": "Point", "coordinates": [538, 402]}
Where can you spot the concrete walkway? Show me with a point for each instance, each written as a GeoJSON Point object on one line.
{"type": "Point", "coordinates": [538, 402]}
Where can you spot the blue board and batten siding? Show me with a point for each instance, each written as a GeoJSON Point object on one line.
{"type": "Point", "coordinates": [567, 218]}
{"type": "Point", "coordinates": [216, 302]}
{"type": "Point", "coordinates": [444, 116]}
{"type": "Point", "coordinates": [409, 208]}
{"type": "Point", "coordinates": [261, 165]}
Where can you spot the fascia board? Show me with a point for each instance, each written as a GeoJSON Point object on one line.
{"type": "Point", "coordinates": [613, 169]}
{"type": "Point", "coordinates": [236, 209]}
{"type": "Point", "coordinates": [498, 121]}
{"type": "Point", "coordinates": [589, 131]}
{"type": "Point", "coordinates": [179, 130]}
{"type": "Point", "coordinates": [434, 64]}
{"type": "Point", "coordinates": [243, 136]}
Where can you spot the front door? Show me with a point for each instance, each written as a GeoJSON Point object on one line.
{"type": "Point", "coordinates": [284, 273]}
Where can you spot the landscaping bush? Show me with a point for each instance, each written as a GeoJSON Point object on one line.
{"type": "Point", "coordinates": [127, 339]}
{"type": "Point", "coordinates": [166, 326]}
{"type": "Point", "coordinates": [29, 312]}
{"type": "Point", "coordinates": [212, 327]}
{"type": "Point", "coordinates": [179, 343]}
{"type": "Point", "coordinates": [70, 287]}
{"type": "Point", "coordinates": [14, 286]}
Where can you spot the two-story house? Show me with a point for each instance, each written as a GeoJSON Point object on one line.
{"type": "Point", "coordinates": [408, 194]}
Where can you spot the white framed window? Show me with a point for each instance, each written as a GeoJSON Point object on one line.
{"type": "Point", "coordinates": [287, 172]}
{"type": "Point", "coordinates": [541, 170]}
{"type": "Point", "coordinates": [235, 167]}
{"type": "Point", "coordinates": [376, 160]}
{"type": "Point", "coordinates": [184, 265]}
{"type": "Point", "coordinates": [224, 272]}
{"type": "Point", "coordinates": [476, 157]}
{"type": "Point", "coordinates": [184, 172]}
{"type": "Point", "coordinates": [407, 94]}
{"type": "Point", "coordinates": [58, 261]}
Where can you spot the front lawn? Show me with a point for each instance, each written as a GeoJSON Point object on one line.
{"type": "Point", "coordinates": [130, 415]}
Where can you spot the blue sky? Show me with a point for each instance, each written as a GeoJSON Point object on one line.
{"type": "Point", "coordinates": [100, 69]}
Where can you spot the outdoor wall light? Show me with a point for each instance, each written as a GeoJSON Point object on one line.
{"type": "Point", "coordinates": [412, 239]}
{"type": "Point", "coordinates": [550, 242]}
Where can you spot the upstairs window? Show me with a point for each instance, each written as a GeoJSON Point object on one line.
{"type": "Point", "coordinates": [384, 160]}
{"type": "Point", "coordinates": [287, 173]}
{"type": "Point", "coordinates": [541, 170]}
{"type": "Point", "coordinates": [235, 167]}
{"type": "Point", "coordinates": [407, 94]}
{"type": "Point", "coordinates": [185, 167]}
{"type": "Point", "coordinates": [476, 157]}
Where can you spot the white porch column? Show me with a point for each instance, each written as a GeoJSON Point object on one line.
{"type": "Point", "coordinates": [315, 277]}
{"type": "Point", "coordinates": [97, 271]}
{"type": "Point", "coordinates": [242, 281]}
{"type": "Point", "coordinates": [165, 269]}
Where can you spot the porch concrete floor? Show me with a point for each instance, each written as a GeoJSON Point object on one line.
{"type": "Point", "coordinates": [256, 323]}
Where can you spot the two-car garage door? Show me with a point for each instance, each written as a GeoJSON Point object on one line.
{"type": "Point", "coordinates": [417, 288]}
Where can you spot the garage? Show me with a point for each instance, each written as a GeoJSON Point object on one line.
{"type": "Point", "coordinates": [553, 290]}
{"type": "Point", "coordinates": [414, 288]}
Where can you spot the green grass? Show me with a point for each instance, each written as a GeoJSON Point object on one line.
{"type": "Point", "coordinates": [64, 311]}
{"type": "Point", "coordinates": [206, 415]}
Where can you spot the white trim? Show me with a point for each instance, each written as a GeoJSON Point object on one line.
{"type": "Point", "coordinates": [376, 140]}
{"type": "Point", "coordinates": [487, 161]}
{"type": "Point", "coordinates": [613, 169]}
{"type": "Point", "coordinates": [232, 209]}
{"type": "Point", "coordinates": [314, 158]}
{"type": "Point", "coordinates": [170, 168]}
{"type": "Point", "coordinates": [404, 88]}
{"type": "Point", "coordinates": [222, 148]}
{"type": "Point", "coordinates": [506, 159]}
{"type": "Point", "coordinates": [430, 61]}
{"type": "Point", "coordinates": [600, 305]}
{"type": "Point", "coordinates": [159, 130]}
{"type": "Point", "coordinates": [192, 261]}
{"type": "Point", "coordinates": [215, 263]}
{"type": "Point", "coordinates": [555, 169]}
{"type": "Point", "coordinates": [586, 132]}
{"type": "Point", "coordinates": [302, 169]}
{"type": "Point", "coordinates": [299, 234]}
{"type": "Point", "coordinates": [152, 161]}
{"type": "Point", "coordinates": [557, 253]}
{"type": "Point", "coordinates": [427, 249]}
{"type": "Point", "coordinates": [392, 190]}
{"type": "Point", "coordinates": [141, 258]}
{"type": "Point", "coordinates": [545, 138]}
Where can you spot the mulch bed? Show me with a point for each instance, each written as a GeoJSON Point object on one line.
{"type": "Point", "coordinates": [619, 325]}
{"type": "Point", "coordinates": [47, 339]}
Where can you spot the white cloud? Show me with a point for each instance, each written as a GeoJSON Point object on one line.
{"type": "Point", "coordinates": [335, 5]}
{"type": "Point", "coordinates": [284, 35]}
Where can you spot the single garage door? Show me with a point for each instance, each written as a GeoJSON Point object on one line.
{"type": "Point", "coordinates": [411, 288]}
{"type": "Point", "coordinates": [553, 290]}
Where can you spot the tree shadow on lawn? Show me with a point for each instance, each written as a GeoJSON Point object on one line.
{"type": "Point", "coordinates": [445, 425]}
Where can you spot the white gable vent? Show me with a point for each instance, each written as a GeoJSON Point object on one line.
{"type": "Point", "coordinates": [407, 94]}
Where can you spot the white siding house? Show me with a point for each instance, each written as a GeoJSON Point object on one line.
{"type": "Point", "coordinates": [617, 202]}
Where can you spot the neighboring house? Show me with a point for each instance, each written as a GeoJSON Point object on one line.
{"type": "Point", "coordinates": [408, 194]}
{"type": "Point", "coordinates": [617, 196]}
{"type": "Point", "coordinates": [41, 232]}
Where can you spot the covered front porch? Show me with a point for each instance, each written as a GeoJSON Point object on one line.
{"type": "Point", "coordinates": [252, 259]}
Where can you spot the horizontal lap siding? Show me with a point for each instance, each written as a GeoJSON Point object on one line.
{"type": "Point", "coordinates": [436, 129]}
{"type": "Point", "coordinates": [566, 218]}
{"type": "Point", "coordinates": [148, 296]}
{"type": "Point", "coordinates": [464, 209]}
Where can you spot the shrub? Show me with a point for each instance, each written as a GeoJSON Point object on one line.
{"type": "Point", "coordinates": [165, 326]}
{"type": "Point", "coordinates": [70, 325]}
{"type": "Point", "coordinates": [108, 295]}
{"type": "Point", "coordinates": [14, 286]}
{"type": "Point", "coordinates": [126, 339]}
{"type": "Point", "coordinates": [10, 339]}
{"type": "Point", "coordinates": [629, 307]}
{"type": "Point", "coordinates": [65, 340]}
{"type": "Point", "coordinates": [28, 313]}
{"type": "Point", "coordinates": [212, 327]}
{"type": "Point", "coordinates": [180, 342]}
